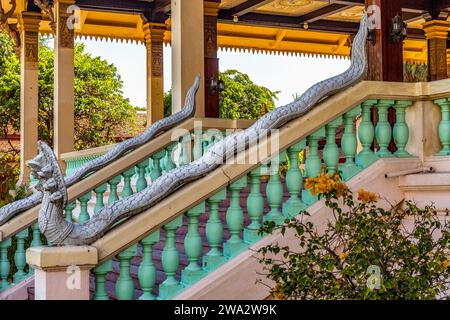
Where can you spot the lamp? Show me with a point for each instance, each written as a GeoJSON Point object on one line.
{"type": "Point", "coordinates": [398, 31]}
{"type": "Point", "coordinates": [216, 86]}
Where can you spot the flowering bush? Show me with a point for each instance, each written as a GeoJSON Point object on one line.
{"type": "Point", "coordinates": [364, 252]}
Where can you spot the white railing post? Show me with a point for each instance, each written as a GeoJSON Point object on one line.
{"type": "Point", "coordinates": [62, 273]}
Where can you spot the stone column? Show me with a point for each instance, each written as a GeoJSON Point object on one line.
{"type": "Point", "coordinates": [62, 273]}
{"type": "Point", "coordinates": [64, 80]}
{"type": "Point", "coordinates": [436, 32]}
{"type": "Point", "coordinates": [211, 61]}
{"type": "Point", "coordinates": [154, 36]}
{"type": "Point", "coordinates": [29, 90]}
{"type": "Point", "coordinates": [187, 52]}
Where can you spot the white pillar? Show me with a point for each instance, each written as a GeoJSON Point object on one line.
{"type": "Point", "coordinates": [64, 80]}
{"type": "Point", "coordinates": [62, 273]}
{"type": "Point", "coordinates": [187, 52]}
{"type": "Point", "coordinates": [29, 90]}
{"type": "Point", "coordinates": [154, 43]}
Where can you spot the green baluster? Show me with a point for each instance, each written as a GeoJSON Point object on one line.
{"type": "Point", "coordinates": [141, 182]}
{"type": "Point", "coordinates": [69, 211]}
{"type": "Point", "coordinates": [99, 193]}
{"type": "Point", "coordinates": [214, 233]}
{"type": "Point", "coordinates": [125, 284]}
{"type": "Point", "coordinates": [19, 256]}
{"type": "Point", "coordinates": [149, 167]}
{"type": "Point", "coordinates": [274, 191]}
{"type": "Point", "coordinates": [401, 130]}
{"type": "Point", "coordinates": [170, 165]}
{"type": "Point", "coordinates": [100, 273]}
{"type": "Point", "coordinates": [185, 155]}
{"type": "Point", "coordinates": [313, 164]}
{"type": "Point", "coordinates": [366, 134]}
{"type": "Point", "coordinates": [255, 207]}
{"type": "Point", "coordinates": [205, 145]}
{"type": "Point", "coordinates": [36, 232]}
{"type": "Point", "coordinates": [198, 144]}
{"type": "Point", "coordinates": [36, 241]}
{"type": "Point", "coordinates": [163, 162]}
{"type": "Point", "coordinates": [5, 266]}
{"type": "Point", "coordinates": [127, 190]}
{"type": "Point", "coordinates": [113, 195]}
{"type": "Point", "coordinates": [444, 126]}
{"type": "Point", "coordinates": [156, 170]}
{"type": "Point", "coordinates": [349, 145]}
{"type": "Point", "coordinates": [383, 131]}
{"type": "Point", "coordinates": [84, 213]}
{"type": "Point", "coordinates": [170, 262]}
{"type": "Point", "coordinates": [193, 246]}
{"type": "Point", "coordinates": [294, 182]}
{"type": "Point", "coordinates": [235, 220]}
{"type": "Point", "coordinates": [147, 269]}
{"type": "Point", "coordinates": [331, 150]}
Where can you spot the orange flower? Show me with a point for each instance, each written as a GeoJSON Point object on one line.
{"type": "Point", "coordinates": [277, 293]}
{"type": "Point", "coordinates": [367, 197]}
{"type": "Point", "coordinates": [446, 263]}
{"type": "Point", "coordinates": [341, 188]}
{"type": "Point", "coordinates": [325, 184]}
{"type": "Point", "coordinates": [343, 255]}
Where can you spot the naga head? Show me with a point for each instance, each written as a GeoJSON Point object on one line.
{"type": "Point", "coordinates": [46, 169]}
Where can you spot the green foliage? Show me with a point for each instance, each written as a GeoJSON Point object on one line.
{"type": "Point", "coordinates": [241, 99]}
{"type": "Point", "coordinates": [168, 103]}
{"type": "Point", "coordinates": [413, 72]}
{"type": "Point", "coordinates": [341, 260]}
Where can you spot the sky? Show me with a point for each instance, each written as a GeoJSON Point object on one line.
{"type": "Point", "coordinates": [288, 74]}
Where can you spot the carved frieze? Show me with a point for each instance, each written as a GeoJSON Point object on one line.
{"type": "Point", "coordinates": [31, 46]}
{"type": "Point", "coordinates": [157, 59]}
{"type": "Point", "coordinates": [65, 34]}
{"type": "Point", "coordinates": [210, 31]}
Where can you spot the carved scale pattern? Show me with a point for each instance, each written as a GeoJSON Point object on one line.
{"type": "Point", "coordinates": [60, 232]}
{"type": "Point", "coordinates": [9, 211]}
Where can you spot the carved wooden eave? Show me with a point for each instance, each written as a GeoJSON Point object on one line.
{"type": "Point", "coordinates": [8, 25]}
{"type": "Point", "coordinates": [47, 10]}
{"type": "Point", "coordinates": [242, 36]}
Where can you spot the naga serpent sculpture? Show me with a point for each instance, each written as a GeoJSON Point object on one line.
{"type": "Point", "coordinates": [45, 167]}
{"type": "Point", "coordinates": [9, 211]}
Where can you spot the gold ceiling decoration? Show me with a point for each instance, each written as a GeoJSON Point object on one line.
{"type": "Point", "coordinates": [292, 7]}
{"type": "Point", "coordinates": [353, 14]}
{"type": "Point", "coordinates": [286, 4]}
{"type": "Point", "coordinates": [228, 4]}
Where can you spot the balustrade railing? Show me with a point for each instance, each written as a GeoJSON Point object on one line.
{"type": "Point", "coordinates": [13, 266]}
{"type": "Point", "coordinates": [225, 213]}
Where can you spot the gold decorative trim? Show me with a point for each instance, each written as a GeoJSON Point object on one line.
{"type": "Point", "coordinates": [10, 28]}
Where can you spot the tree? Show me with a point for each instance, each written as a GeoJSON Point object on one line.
{"type": "Point", "coordinates": [364, 252]}
{"type": "Point", "coordinates": [241, 99]}
{"type": "Point", "coordinates": [100, 108]}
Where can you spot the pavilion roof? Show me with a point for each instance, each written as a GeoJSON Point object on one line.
{"type": "Point", "coordinates": [306, 27]}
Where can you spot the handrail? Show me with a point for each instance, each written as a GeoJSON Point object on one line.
{"type": "Point", "coordinates": [92, 152]}
{"type": "Point", "coordinates": [209, 123]}
{"type": "Point", "coordinates": [144, 224]}
{"type": "Point", "coordinates": [128, 161]}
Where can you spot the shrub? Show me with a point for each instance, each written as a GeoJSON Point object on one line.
{"type": "Point", "coordinates": [364, 252]}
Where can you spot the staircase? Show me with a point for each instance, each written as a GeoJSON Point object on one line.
{"type": "Point", "coordinates": [235, 276]}
{"type": "Point", "coordinates": [157, 252]}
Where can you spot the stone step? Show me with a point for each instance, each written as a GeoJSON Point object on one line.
{"type": "Point", "coordinates": [427, 188]}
